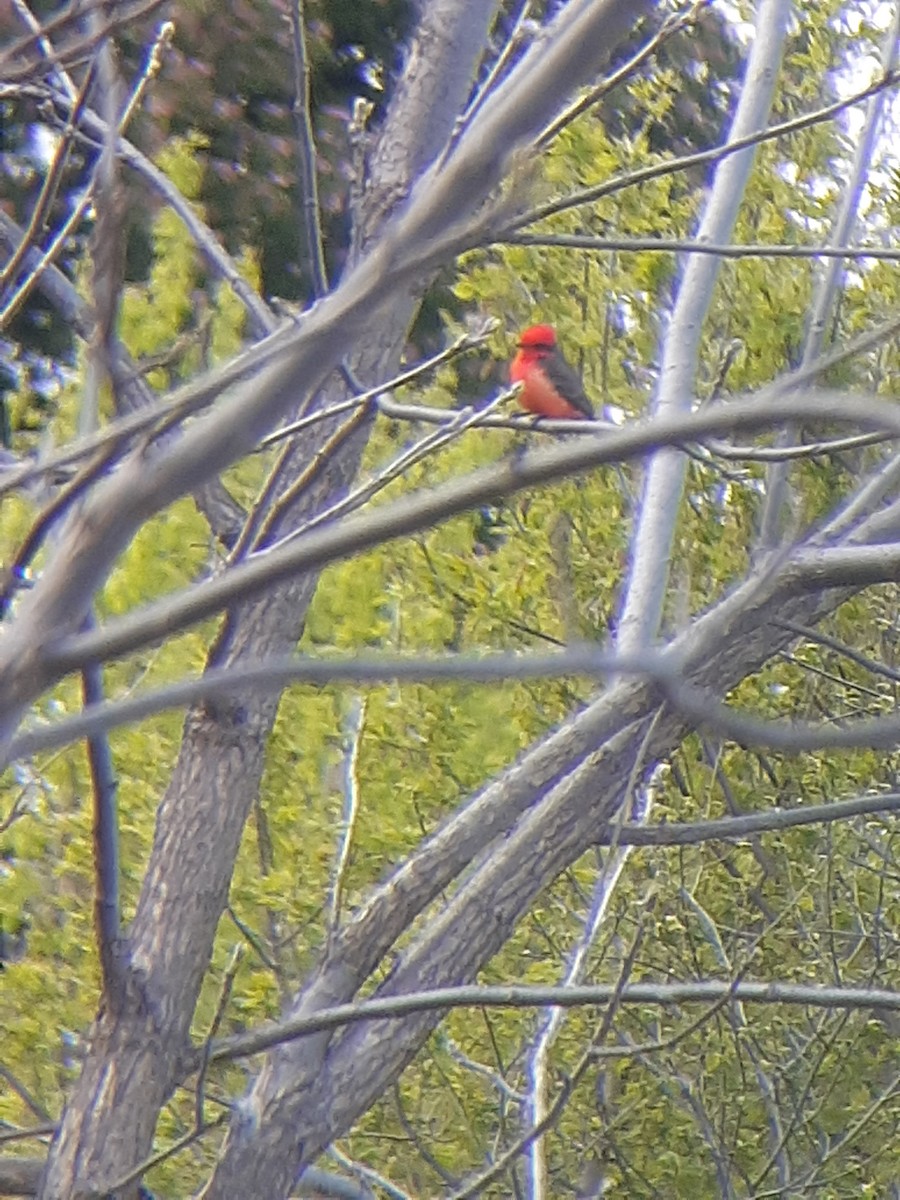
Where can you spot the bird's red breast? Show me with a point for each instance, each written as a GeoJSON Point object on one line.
{"type": "Point", "coordinates": [551, 388]}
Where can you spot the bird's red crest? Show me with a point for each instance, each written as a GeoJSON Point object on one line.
{"type": "Point", "coordinates": [538, 336]}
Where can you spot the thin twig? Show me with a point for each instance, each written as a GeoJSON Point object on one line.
{"type": "Point", "coordinates": [732, 250]}
{"type": "Point", "coordinates": [353, 731]}
{"type": "Point", "coordinates": [306, 152]}
{"type": "Point", "coordinates": [848, 652]}
{"type": "Point", "coordinates": [45, 1130]}
{"type": "Point", "coordinates": [262, 320]}
{"type": "Point", "coordinates": [701, 158]}
{"type": "Point", "coordinates": [828, 286]}
{"type": "Point", "coordinates": [812, 450]}
{"type": "Point", "coordinates": [39, 33]}
{"type": "Point", "coordinates": [807, 1182]}
{"type": "Point", "coordinates": [705, 710]}
{"type": "Point", "coordinates": [464, 420]}
{"type": "Point", "coordinates": [604, 891]}
{"type": "Point", "coordinates": [487, 418]}
{"type": "Point", "coordinates": [28, 1100]}
{"type": "Point", "coordinates": [683, 992]}
{"type": "Point", "coordinates": [73, 51]}
{"type": "Point", "coordinates": [432, 505]}
{"type": "Point", "coordinates": [253, 940]}
{"type": "Point", "coordinates": [466, 341]}
{"type": "Point", "coordinates": [673, 24]}
{"type": "Point", "coordinates": [164, 1155]}
{"type": "Point", "coordinates": [49, 187]}
{"type": "Point", "coordinates": [274, 673]}
{"type": "Point", "coordinates": [548, 1119]}
{"type": "Point", "coordinates": [73, 108]}
{"type": "Point", "coordinates": [469, 1064]}
{"type": "Point", "coordinates": [493, 76]}
{"type": "Point", "coordinates": [305, 479]}
{"type": "Point", "coordinates": [17, 572]}
{"type": "Point", "coordinates": [250, 531]}
{"type": "Point", "coordinates": [367, 1174]}
{"type": "Point", "coordinates": [237, 955]}
{"type": "Point", "coordinates": [106, 846]}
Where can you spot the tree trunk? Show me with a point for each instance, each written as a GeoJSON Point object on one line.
{"type": "Point", "coordinates": [107, 1128]}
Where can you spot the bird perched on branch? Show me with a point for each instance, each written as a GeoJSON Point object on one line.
{"type": "Point", "coordinates": [552, 388]}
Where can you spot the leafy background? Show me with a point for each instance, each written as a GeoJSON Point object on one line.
{"type": "Point", "coordinates": [817, 903]}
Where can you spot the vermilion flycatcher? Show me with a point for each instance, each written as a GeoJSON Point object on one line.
{"type": "Point", "coordinates": [552, 388]}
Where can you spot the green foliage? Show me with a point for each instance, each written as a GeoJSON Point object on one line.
{"type": "Point", "coordinates": [806, 905]}
{"type": "Point", "coordinates": [47, 883]}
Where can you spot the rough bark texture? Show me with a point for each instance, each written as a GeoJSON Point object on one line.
{"type": "Point", "coordinates": [141, 1036]}
{"type": "Point", "coordinates": [521, 832]}
{"type": "Point", "coordinates": [498, 851]}
{"type": "Point", "coordinates": [109, 1121]}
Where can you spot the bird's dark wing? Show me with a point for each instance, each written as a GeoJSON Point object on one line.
{"type": "Point", "coordinates": [567, 382]}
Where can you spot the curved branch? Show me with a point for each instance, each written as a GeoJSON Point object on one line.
{"type": "Point", "coordinates": [664, 475]}
{"type": "Point", "coordinates": [441, 1000]}
{"type": "Point", "coordinates": [409, 515]}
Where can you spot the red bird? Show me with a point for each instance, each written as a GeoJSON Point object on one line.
{"type": "Point", "coordinates": [552, 388]}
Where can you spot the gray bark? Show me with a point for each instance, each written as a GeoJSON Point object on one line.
{"type": "Point", "coordinates": [133, 1052]}
{"type": "Point", "coordinates": [109, 1121]}
{"type": "Point", "coordinates": [135, 1048]}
